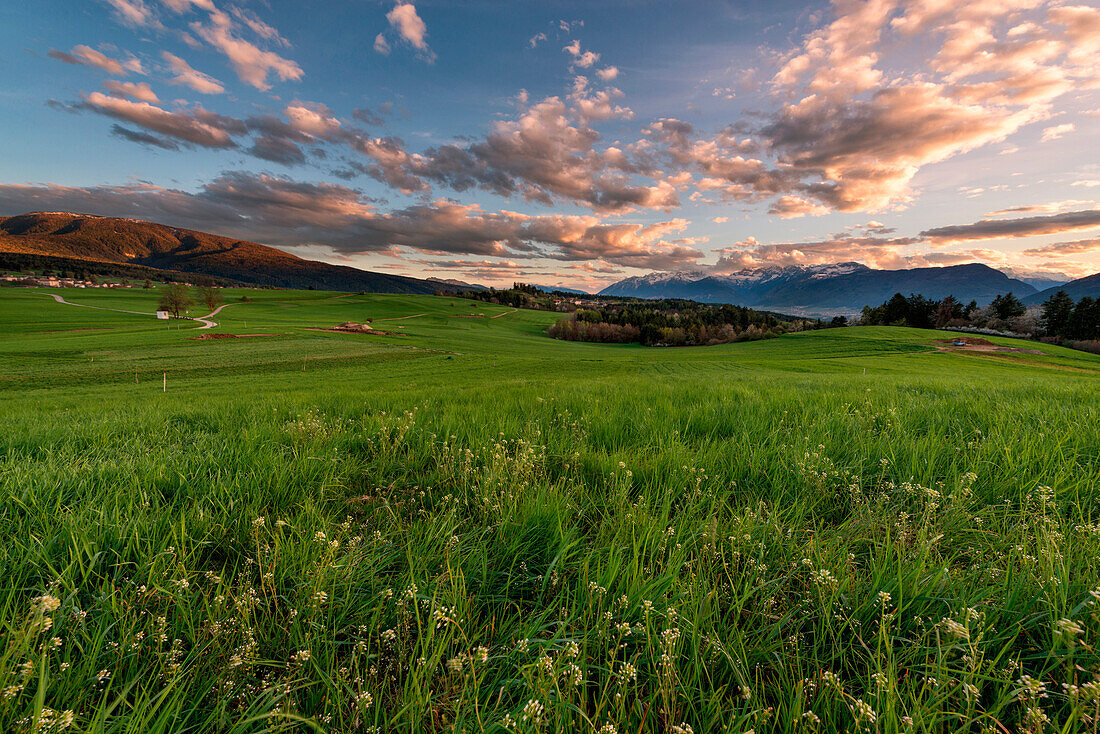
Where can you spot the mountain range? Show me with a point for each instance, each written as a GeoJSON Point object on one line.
{"type": "Point", "coordinates": [136, 242]}
{"type": "Point", "coordinates": [842, 288]}
{"type": "Point", "coordinates": [1087, 287]}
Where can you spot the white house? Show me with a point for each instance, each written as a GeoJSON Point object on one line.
{"type": "Point", "coordinates": [162, 314]}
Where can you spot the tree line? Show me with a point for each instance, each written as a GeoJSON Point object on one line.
{"type": "Point", "coordinates": [1059, 318]}
{"type": "Point", "coordinates": [520, 295]}
{"type": "Point", "coordinates": [674, 323]}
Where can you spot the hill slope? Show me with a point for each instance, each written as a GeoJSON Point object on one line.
{"type": "Point", "coordinates": [823, 289]}
{"type": "Point", "coordinates": [136, 242]}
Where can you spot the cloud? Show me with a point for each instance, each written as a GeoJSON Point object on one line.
{"type": "Point", "coordinates": [582, 59]}
{"type": "Point", "coordinates": [878, 252]}
{"type": "Point", "coordinates": [195, 126]}
{"type": "Point", "coordinates": [547, 152]}
{"type": "Point", "coordinates": [1052, 206]}
{"type": "Point", "coordinates": [391, 164]}
{"type": "Point", "coordinates": [790, 207]}
{"type": "Point", "coordinates": [134, 13]}
{"type": "Point", "coordinates": [534, 40]}
{"type": "Point", "coordinates": [369, 117]}
{"type": "Point", "coordinates": [856, 126]}
{"type": "Point", "coordinates": [257, 26]}
{"type": "Point", "coordinates": [608, 74]}
{"type": "Point", "coordinates": [629, 245]}
{"type": "Point", "coordinates": [1082, 24]}
{"type": "Point", "coordinates": [136, 136]}
{"type": "Point", "coordinates": [1057, 131]}
{"type": "Point", "coordinates": [140, 91]}
{"type": "Point", "coordinates": [381, 45]}
{"type": "Point", "coordinates": [90, 57]}
{"type": "Point", "coordinates": [252, 64]}
{"type": "Point", "coordinates": [314, 120]}
{"type": "Point", "coordinates": [720, 159]}
{"type": "Point", "coordinates": [866, 152]}
{"type": "Point", "coordinates": [188, 77]}
{"type": "Point", "coordinates": [1065, 249]}
{"type": "Point", "coordinates": [410, 28]}
{"type": "Point", "coordinates": [182, 6]}
{"type": "Point", "coordinates": [281, 211]}
{"type": "Point", "coordinates": [989, 229]}
{"type": "Point", "coordinates": [277, 150]}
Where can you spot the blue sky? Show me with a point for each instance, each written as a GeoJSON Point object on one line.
{"type": "Point", "coordinates": [569, 143]}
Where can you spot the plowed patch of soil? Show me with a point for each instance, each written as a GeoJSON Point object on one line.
{"type": "Point", "coordinates": [977, 344]}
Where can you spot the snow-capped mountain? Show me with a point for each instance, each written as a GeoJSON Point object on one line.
{"type": "Point", "coordinates": [822, 289]}
{"type": "Point", "coordinates": [1040, 280]}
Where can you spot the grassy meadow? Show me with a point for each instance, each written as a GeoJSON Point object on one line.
{"type": "Point", "coordinates": [474, 527]}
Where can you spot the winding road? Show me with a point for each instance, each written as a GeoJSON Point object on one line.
{"type": "Point", "coordinates": [205, 320]}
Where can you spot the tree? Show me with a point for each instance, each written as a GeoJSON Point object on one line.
{"type": "Point", "coordinates": [946, 310]}
{"type": "Point", "coordinates": [1007, 307]}
{"type": "Point", "coordinates": [839, 321]}
{"type": "Point", "coordinates": [175, 299]}
{"type": "Point", "coordinates": [1057, 312]}
{"type": "Point", "coordinates": [1085, 322]}
{"type": "Point", "coordinates": [211, 296]}
{"type": "Point", "coordinates": [896, 311]}
{"type": "Point", "coordinates": [147, 284]}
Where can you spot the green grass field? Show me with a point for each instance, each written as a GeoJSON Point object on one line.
{"type": "Point", "coordinates": [473, 527]}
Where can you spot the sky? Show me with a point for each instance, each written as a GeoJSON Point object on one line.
{"type": "Point", "coordinates": [569, 143]}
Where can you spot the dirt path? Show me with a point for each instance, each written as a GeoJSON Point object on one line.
{"type": "Point", "coordinates": [205, 320]}
{"type": "Point", "coordinates": [504, 314]}
{"type": "Point", "coordinates": [400, 318]}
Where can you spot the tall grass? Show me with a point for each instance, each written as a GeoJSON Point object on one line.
{"type": "Point", "coordinates": [621, 550]}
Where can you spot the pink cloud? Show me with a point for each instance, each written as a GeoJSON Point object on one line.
{"type": "Point", "coordinates": [196, 126]}
{"type": "Point", "coordinates": [1065, 249]}
{"type": "Point", "coordinates": [90, 57]}
{"type": "Point", "coordinates": [583, 59]}
{"type": "Point", "coordinates": [411, 28]}
{"type": "Point", "coordinates": [1057, 131]}
{"type": "Point", "coordinates": [186, 76]}
{"type": "Point", "coordinates": [790, 207]}
{"type": "Point", "coordinates": [988, 229]}
{"type": "Point", "coordinates": [252, 64]}
{"type": "Point", "coordinates": [134, 13]}
{"type": "Point", "coordinates": [141, 91]}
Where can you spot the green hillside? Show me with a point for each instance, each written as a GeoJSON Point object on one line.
{"type": "Point", "coordinates": [474, 527]}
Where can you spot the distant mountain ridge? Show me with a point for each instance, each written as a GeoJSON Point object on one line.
{"type": "Point", "coordinates": [1087, 287]}
{"type": "Point", "coordinates": [136, 242]}
{"type": "Point", "coordinates": [823, 289]}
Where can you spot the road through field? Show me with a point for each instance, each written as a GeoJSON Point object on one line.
{"type": "Point", "coordinates": [205, 320]}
